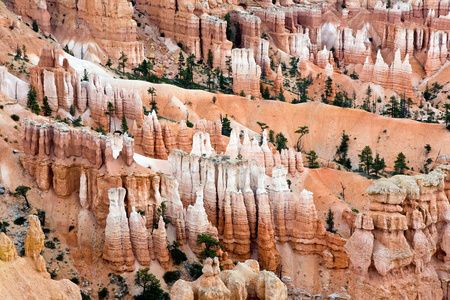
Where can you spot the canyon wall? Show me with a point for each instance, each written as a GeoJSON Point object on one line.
{"type": "Point", "coordinates": [403, 239]}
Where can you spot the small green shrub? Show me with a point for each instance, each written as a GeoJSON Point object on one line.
{"type": "Point", "coordinates": [195, 270]}
{"type": "Point", "coordinates": [15, 117]}
{"type": "Point", "coordinates": [49, 245]}
{"type": "Point", "coordinates": [60, 256]}
{"type": "Point", "coordinates": [171, 276]}
{"type": "Point", "coordinates": [75, 280]}
{"type": "Point", "coordinates": [103, 293]}
{"type": "Point", "coordinates": [20, 221]}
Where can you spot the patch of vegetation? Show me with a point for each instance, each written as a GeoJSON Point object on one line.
{"type": "Point", "coordinates": [75, 280]}
{"type": "Point", "coordinates": [171, 276]}
{"type": "Point", "coordinates": [103, 293]}
{"type": "Point", "coordinates": [178, 256]}
{"type": "Point", "coordinates": [210, 243]}
{"type": "Point", "coordinates": [195, 270]}
{"type": "Point", "coordinates": [49, 245]}
{"type": "Point", "coordinates": [151, 286]}
{"type": "Point", "coordinates": [60, 256]}
{"type": "Point", "coordinates": [20, 221]}
{"type": "Point", "coordinates": [15, 117]}
{"type": "Point", "coordinates": [4, 226]}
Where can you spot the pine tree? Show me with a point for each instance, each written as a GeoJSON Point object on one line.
{"type": "Point", "coordinates": [330, 221]}
{"type": "Point", "coordinates": [312, 159]}
{"type": "Point", "coordinates": [266, 93]}
{"type": "Point", "coordinates": [109, 112]}
{"type": "Point", "coordinates": [153, 104]}
{"type": "Point", "coordinates": [226, 126]}
{"type": "Point", "coordinates": [281, 95]}
{"type": "Point", "coordinates": [85, 76]}
{"type": "Point", "coordinates": [400, 164]}
{"type": "Point", "coordinates": [35, 26]}
{"type": "Point", "coordinates": [122, 60]}
{"type": "Point", "coordinates": [378, 164]}
{"type": "Point", "coordinates": [328, 88]}
{"type": "Point", "coordinates": [366, 103]}
{"type": "Point", "coordinates": [46, 107]}
{"type": "Point", "coordinates": [366, 159]}
{"type": "Point", "coordinates": [393, 108]}
{"type": "Point", "coordinates": [124, 125]}
{"type": "Point", "coordinates": [341, 152]}
{"type": "Point", "coordinates": [72, 110]}
{"type": "Point", "coordinates": [181, 64]}
{"type": "Point", "coordinates": [32, 103]}
{"type": "Point", "coordinates": [280, 141]}
{"type": "Point", "coordinates": [210, 59]}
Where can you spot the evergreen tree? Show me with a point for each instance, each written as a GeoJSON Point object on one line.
{"type": "Point", "coordinates": [312, 160]}
{"type": "Point", "coordinates": [210, 60]}
{"type": "Point", "coordinates": [378, 164]}
{"type": "Point", "coordinates": [32, 103]}
{"type": "Point", "coordinates": [124, 125]}
{"type": "Point", "coordinates": [281, 95]}
{"type": "Point", "coordinates": [280, 141]}
{"type": "Point", "coordinates": [85, 76]}
{"type": "Point", "coordinates": [226, 126]}
{"type": "Point", "coordinates": [447, 114]}
{"type": "Point", "coordinates": [122, 60]}
{"type": "Point", "coordinates": [330, 221]}
{"type": "Point", "coordinates": [46, 107]}
{"type": "Point", "coordinates": [302, 130]}
{"type": "Point", "coordinates": [25, 56]}
{"type": "Point", "coordinates": [72, 110]}
{"type": "Point", "coordinates": [393, 108]}
{"type": "Point", "coordinates": [109, 63]}
{"type": "Point", "coordinates": [153, 104]}
{"type": "Point", "coordinates": [110, 109]}
{"type": "Point", "coordinates": [151, 286]}
{"type": "Point", "coordinates": [211, 245]}
{"type": "Point", "coordinates": [366, 160]}
{"type": "Point", "coordinates": [400, 164]}
{"type": "Point", "coordinates": [271, 136]}
{"type": "Point", "coordinates": [265, 93]}
{"type": "Point", "coordinates": [328, 88]}
{"type": "Point", "coordinates": [18, 53]}
{"type": "Point", "coordinates": [294, 66]}
{"type": "Point", "coordinates": [341, 152]}
{"type": "Point", "coordinates": [35, 26]}
{"type": "Point", "coordinates": [366, 102]}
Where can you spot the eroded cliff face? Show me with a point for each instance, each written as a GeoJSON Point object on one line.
{"type": "Point", "coordinates": [63, 87]}
{"type": "Point", "coordinates": [92, 29]}
{"type": "Point", "coordinates": [245, 281]}
{"type": "Point", "coordinates": [28, 275]}
{"type": "Point", "coordinates": [402, 241]}
{"type": "Point", "coordinates": [237, 202]}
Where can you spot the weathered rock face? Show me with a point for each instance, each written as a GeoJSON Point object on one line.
{"type": "Point", "coordinates": [34, 243]}
{"type": "Point", "coordinates": [263, 155]}
{"type": "Point", "coordinates": [397, 76]}
{"type": "Point", "coordinates": [246, 73]}
{"type": "Point", "coordinates": [12, 86]}
{"type": "Point", "coordinates": [117, 248]}
{"type": "Point", "coordinates": [245, 281]}
{"type": "Point", "coordinates": [7, 250]}
{"type": "Point", "coordinates": [63, 88]}
{"type": "Point", "coordinates": [32, 10]}
{"type": "Point", "coordinates": [224, 196]}
{"type": "Point", "coordinates": [58, 141]}
{"type": "Point", "coordinates": [437, 52]}
{"type": "Point", "coordinates": [159, 237]}
{"type": "Point", "coordinates": [351, 49]}
{"type": "Point", "coordinates": [405, 235]}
